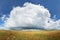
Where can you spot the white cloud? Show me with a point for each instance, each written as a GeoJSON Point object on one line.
{"type": "Point", "coordinates": [3, 28]}
{"type": "Point", "coordinates": [4, 18]}
{"type": "Point", "coordinates": [31, 15]}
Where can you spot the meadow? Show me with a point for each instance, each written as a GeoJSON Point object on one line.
{"type": "Point", "coordinates": [29, 35]}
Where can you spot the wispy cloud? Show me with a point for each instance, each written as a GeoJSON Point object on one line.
{"type": "Point", "coordinates": [31, 16]}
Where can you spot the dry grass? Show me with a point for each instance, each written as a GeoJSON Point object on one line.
{"type": "Point", "coordinates": [29, 35]}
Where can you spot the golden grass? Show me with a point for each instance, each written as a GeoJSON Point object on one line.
{"type": "Point", "coordinates": [29, 35]}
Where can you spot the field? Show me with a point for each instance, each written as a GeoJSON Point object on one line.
{"type": "Point", "coordinates": [29, 35]}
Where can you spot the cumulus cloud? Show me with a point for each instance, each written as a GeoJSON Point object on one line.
{"type": "Point", "coordinates": [31, 16]}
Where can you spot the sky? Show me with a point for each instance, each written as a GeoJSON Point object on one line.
{"type": "Point", "coordinates": [8, 6]}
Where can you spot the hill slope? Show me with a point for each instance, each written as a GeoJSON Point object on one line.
{"type": "Point", "coordinates": [29, 35]}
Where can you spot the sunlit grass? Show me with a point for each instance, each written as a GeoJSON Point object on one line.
{"type": "Point", "coordinates": [29, 35]}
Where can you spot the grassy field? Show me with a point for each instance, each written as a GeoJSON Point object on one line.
{"type": "Point", "coordinates": [29, 35]}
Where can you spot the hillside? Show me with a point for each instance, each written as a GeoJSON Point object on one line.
{"type": "Point", "coordinates": [29, 35]}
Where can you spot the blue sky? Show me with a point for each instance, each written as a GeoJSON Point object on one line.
{"type": "Point", "coordinates": [52, 5]}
